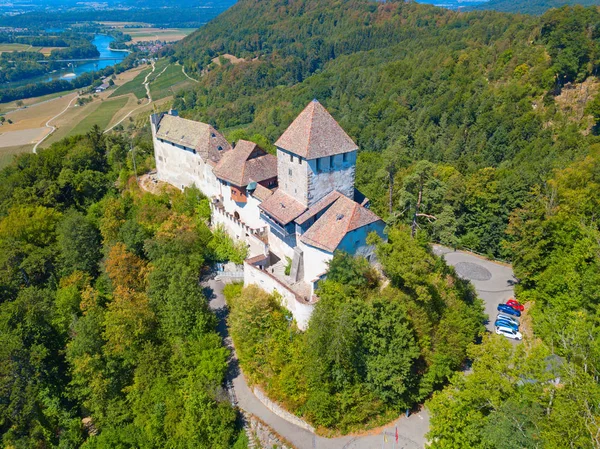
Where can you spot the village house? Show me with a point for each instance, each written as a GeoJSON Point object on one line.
{"type": "Point", "coordinates": [293, 210]}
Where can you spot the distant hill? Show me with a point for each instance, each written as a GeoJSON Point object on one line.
{"type": "Point", "coordinates": [537, 7]}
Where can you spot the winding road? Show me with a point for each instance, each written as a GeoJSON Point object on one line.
{"type": "Point", "coordinates": [494, 284]}
{"type": "Point", "coordinates": [146, 84]}
{"type": "Point", "coordinates": [53, 128]}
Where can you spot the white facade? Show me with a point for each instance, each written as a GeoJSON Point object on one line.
{"type": "Point", "coordinates": [181, 167]}
{"type": "Point", "coordinates": [248, 212]}
{"type": "Point", "coordinates": [300, 310]}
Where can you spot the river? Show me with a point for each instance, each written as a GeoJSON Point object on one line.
{"type": "Point", "coordinates": [102, 42]}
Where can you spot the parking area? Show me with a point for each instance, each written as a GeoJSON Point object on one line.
{"type": "Point", "coordinates": [494, 281]}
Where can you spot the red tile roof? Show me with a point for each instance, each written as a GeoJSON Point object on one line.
{"type": "Point", "coordinates": [315, 133]}
{"type": "Point", "coordinates": [245, 163]}
{"type": "Point", "coordinates": [323, 203]}
{"type": "Point", "coordinates": [198, 136]}
{"type": "Point", "coordinates": [282, 207]}
{"type": "Point", "coordinates": [261, 192]}
{"type": "Point", "coordinates": [344, 216]}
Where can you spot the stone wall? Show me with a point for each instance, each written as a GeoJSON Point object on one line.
{"type": "Point", "coordinates": [262, 436]}
{"type": "Point", "coordinates": [280, 411]}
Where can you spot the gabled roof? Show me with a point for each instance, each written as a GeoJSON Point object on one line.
{"type": "Point", "coordinates": [199, 136]}
{"type": "Point", "coordinates": [315, 133]}
{"type": "Point", "coordinates": [261, 192]}
{"type": "Point", "coordinates": [245, 163]}
{"type": "Point", "coordinates": [282, 207]}
{"type": "Point", "coordinates": [320, 205]}
{"type": "Point", "coordinates": [342, 217]}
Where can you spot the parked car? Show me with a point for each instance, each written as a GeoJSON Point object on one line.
{"type": "Point", "coordinates": [515, 304]}
{"type": "Point", "coordinates": [509, 318]}
{"type": "Point", "coordinates": [508, 332]}
{"type": "Point", "coordinates": [508, 324]}
{"type": "Point", "coordinates": [508, 310]}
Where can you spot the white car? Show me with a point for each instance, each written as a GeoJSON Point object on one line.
{"type": "Point", "coordinates": [505, 317]}
{"type": "Point", "coordinates": [508, 332]}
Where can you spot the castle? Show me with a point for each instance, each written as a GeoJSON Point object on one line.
{"type": "Point", "coordinates": [293, 210]}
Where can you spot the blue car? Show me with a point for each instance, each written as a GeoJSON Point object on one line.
{"type": "Point", "coordinates": [506, 323]}
{"type": "Point", "coordinates": [508, 310]}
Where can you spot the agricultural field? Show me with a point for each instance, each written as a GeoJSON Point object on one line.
{"type": "Point", "coordinates": [146, 33]}
{"type": "Point", "coordinates": [102, 116]}
{"type": "Point", "coordinates": [9, 48]}
{"type": "Point", "coordinates": [8, 153]}
{"type": "Point", "coordinates": [134, 86]}
{"type": "Point", "coordinates": [169, 82]}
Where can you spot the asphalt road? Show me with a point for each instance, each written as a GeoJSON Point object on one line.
{"type": "Point", "coordinates": [494, 284]}
{"type": "Point", "coordinates": [493, 281]}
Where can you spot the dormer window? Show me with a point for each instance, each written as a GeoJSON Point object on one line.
{"type": "Point", "coordinates": [220, 148]}
{"type": "Point", "coordinates": [213, 135]}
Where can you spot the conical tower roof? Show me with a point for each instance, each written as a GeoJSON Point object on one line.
{"type": "Point", "coordinates": [315, 133]}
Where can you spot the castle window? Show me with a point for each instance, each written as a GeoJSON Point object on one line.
{"type": "Point", "coordinates": [291, 158]}
{"type": "Point", "coordinates": [331, 162]}
{"type": "Point", "coordinates": [290, 172]}
{"type": "Point", "coordinates": [319, 163]}
{"type": "Point", "coordinates": [345, 157]}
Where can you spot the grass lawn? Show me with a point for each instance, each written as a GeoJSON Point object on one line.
{"type": "Point", "coordinates": [8, 153]}
{"type": "Point", "coordinates": [101, 116]}
{"type": "Point", "coordinates": [169, 82]}
{"type": "Point", "coordinates": [135, 86]}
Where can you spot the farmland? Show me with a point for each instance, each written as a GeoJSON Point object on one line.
{"type": "Point", "coordinates": [126, 101]}
{"type": "Point", "coordinates": [102, 116]}
{"type": "Point", "coordinates": [144, 33]}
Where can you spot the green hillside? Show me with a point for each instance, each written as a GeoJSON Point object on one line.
{"type": "Point", "coordinates": [472, 93]}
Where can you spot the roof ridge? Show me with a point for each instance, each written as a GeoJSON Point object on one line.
{"type": "Point", "coordinates": [312, 114]}
{"type": "Point", "coordinates": [351, 216]}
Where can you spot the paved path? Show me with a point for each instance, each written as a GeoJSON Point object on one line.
{"type": "Point", "coordinates": [494, 284]}
{"type": "Point", "coordinates": [53, 128]}
{"type": "Point", "coordinates": [493, 281]}
{"type": "Point", "coordinates": [146, 85]}
{"type": "Point", "coordinates": [188, 76]}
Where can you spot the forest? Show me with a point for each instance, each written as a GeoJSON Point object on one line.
{"type": "Point", "coordinates": [478, 95]}
{"type": "Point", "coordinates": [491, 120]}
{"type": "Point", "coordinates": [106, 339]}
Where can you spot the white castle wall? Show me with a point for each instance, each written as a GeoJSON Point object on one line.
{"type": "Point", "coordinates": [249, 211]}
{"type": "Point", "coordinates": [301, 311]}
{"type": "Point", "coordinates": [182, 168]}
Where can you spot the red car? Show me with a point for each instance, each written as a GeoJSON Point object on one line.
{"type": "Point", "coordinates": [515, 304]}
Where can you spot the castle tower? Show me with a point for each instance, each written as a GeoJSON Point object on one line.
{"type": "Point", "coordinates": [315, 156]}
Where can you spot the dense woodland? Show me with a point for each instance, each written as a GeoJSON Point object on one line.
{"type": "Point", "coordinates": [475, 94]}
{"type": "Point", "coordinates": [106, 339]}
